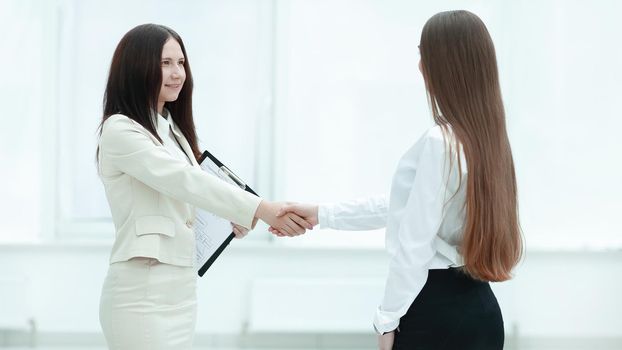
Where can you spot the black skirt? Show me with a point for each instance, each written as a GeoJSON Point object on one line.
{"type": "Point", "coordinates": [452, 311]}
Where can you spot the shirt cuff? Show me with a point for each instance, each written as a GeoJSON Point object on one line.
{"type": "Point", "coordinates": [326, 215]}
{"type": "Point", "coordinates": [385, 321]}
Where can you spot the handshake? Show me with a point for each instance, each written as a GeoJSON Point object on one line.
{"type": "Point", "coordinates": [284, 218]}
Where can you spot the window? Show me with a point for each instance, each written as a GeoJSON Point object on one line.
{"type": "Point", "coordinates": [314, 101]}
{"type": "Point", "coordinates": [229, 56]}
{"type": "Point", "coordinates": [27, 114]}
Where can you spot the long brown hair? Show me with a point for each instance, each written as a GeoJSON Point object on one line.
{"type": "Point", "coordinates": [459, 66]}
{"type": "Point", "coordinates": [135, 79]}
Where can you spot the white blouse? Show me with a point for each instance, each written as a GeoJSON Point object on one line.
{"type": "Point", "coordinates": [164, 124]}
{"type": "Point", "coordinates": [424, 221]}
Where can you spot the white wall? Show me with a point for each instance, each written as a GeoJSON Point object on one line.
{"type": "Point", "coordinates": [555, 294]}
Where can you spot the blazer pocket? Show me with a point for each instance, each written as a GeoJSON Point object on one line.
{"type": "Point", "coordinates": [155, 224]}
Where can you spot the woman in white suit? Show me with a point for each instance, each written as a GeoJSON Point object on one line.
{"type": "Point", "coordinates": [147, 161]}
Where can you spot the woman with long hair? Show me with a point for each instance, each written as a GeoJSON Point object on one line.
{"type": "Point", "coordinates": [147, 161]}
{"type": "Point", "coordinates": [451, 218]}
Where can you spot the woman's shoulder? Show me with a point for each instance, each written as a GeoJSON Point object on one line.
{"type": "Point", "coordinates": [437, 133]}
{"type": "Point", "coordinates": [439, 143]}
{"type": "Point", "coordinates": [117, 121]}
{"type": "Point", "coordinates": [433, 138]}
{"type": "Point", "coordinates": [120, 123]}
{"type": "Point", "coordinates": [430, 140]}
{"type": "Point", "coordinates": [439, 137]}
{"type": "Point", "coordinates": [119, 128]}
{"type": "Point", "coordinates": [435, 143]}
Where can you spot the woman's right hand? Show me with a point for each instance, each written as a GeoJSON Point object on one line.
{"type": "Point", "coordinates": [287, 223]}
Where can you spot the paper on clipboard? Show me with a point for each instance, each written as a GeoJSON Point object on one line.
{"type": "Point", "coordinates": [212, 233]}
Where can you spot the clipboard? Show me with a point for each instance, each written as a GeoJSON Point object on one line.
{"type": "Point", "coordinates": [216, 167]}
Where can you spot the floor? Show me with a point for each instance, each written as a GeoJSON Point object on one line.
{"type": "Point", "coordinates": [543, 347]}
{"type": "Point", "coordinates": [511, 344]}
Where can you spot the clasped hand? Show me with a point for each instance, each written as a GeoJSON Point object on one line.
{"type": "Point", "coordinates": [308, 213]}
{"type": "Point", "coordinates": [285, 222]}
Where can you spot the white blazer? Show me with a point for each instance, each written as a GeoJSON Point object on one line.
{"type": "Point", "coordinates": [152, 194]}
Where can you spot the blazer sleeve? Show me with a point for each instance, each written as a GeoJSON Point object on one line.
{"type": "Point", "coordinates": [127, 147]}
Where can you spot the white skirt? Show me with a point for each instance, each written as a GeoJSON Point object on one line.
{"type": "Point", "coordinates": [146, 304]}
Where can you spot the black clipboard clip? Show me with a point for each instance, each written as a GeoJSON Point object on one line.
{"type": "Point", "coordinates": [222, 170]}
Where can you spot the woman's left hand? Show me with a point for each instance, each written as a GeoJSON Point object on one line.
{"type": "Point", "coordinates": [385, 341]}
{"type": "Point", "coordinates": [239, 231]}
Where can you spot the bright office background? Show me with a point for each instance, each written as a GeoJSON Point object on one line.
{"type": "Point", "coordinates": [313, 100]}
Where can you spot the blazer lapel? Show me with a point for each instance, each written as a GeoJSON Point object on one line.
{"type": "Point", "coordinates": [184, 144]}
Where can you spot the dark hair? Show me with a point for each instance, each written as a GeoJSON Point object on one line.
{"type": "Point", "coordinates": [135, 79]}
{"type": "Point", "coordinates": [460, 71]}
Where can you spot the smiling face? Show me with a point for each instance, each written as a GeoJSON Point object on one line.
{"type": "Point", "coordinates": [173, 73]}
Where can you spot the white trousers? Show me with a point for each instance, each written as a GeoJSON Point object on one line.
{"type": "Point", "coordinates": [148, 305]}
